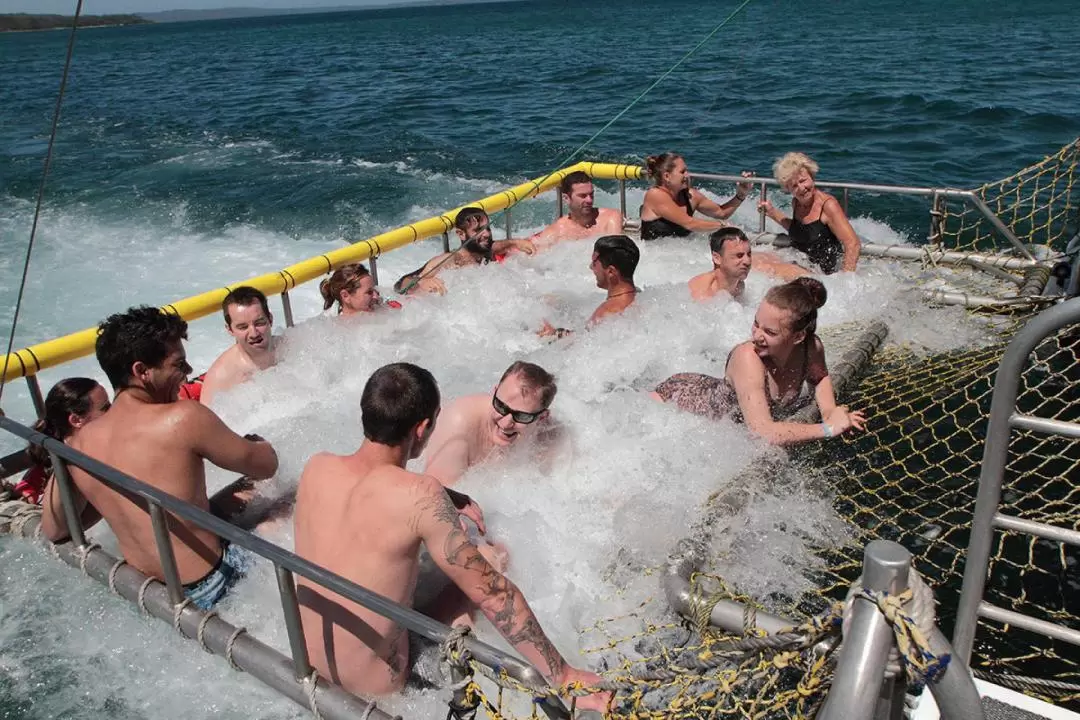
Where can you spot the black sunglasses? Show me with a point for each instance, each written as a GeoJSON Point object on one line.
{"type": "Point", "coordinates": [519, 416]}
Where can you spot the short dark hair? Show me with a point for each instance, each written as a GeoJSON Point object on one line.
{"type": "Point", "coordinates": [619, 252]}
{"type": "Point", "coordinates": [566, 186]}
{"type": "Point", "coordinates": [535, 379]}
{"type": "Point", "coordinates": [466, 217]}
{"type": "Point", "coordinates": [243, 296]}
{"type": "Point", "coordinates": [142, 334]}
{"type": "Point", "coordinates": [718, 238]}
{"type": "Point", "coordinates": [397, 398]}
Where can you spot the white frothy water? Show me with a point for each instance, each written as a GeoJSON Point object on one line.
{"type": "Point", "coordinates": [580, 525]}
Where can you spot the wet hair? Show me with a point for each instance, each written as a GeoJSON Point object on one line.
{"type": "Point", "coordinates": [801, 297]}
{"type": "Point", "coordinates": [721, 236]}
{"type": "Point", "coordinates": [789, 165]}
{"type": "Point", "coordinates": [468, 216]}
{"type": "Point", "coordinates": [243, 296]}
{"type": "Point", "coordinates": [397, 398]}
{"type": "Point", "coordinates": [67, 397]}
{"type": "Point", "coordinates": [142, 334]}
{"type": "Point", "coordinates": [534, 379]}
{"type": "Point", "coordinates": [619, 252]}
{"type": "Point", "coordinates": [657, 165]}
{"type": "Point", "coordinates": [346, 277]}
{"type": "Point", "coordinates": [575, 178]}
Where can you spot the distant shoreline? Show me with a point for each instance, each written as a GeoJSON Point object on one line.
{"type": "Point", "coordinates": [26, 22]}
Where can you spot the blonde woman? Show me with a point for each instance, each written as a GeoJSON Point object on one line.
{"type": "Point", "coordinates": [818, 226]}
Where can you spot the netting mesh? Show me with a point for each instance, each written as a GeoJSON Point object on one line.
{"type": "Point", "coordinates": [1038, 204]}
{"type": "Point", "coordinates": [911, 478]}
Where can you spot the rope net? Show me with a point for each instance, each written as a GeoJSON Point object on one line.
{"type": "Point", "coordinates": [911, 478]}
{"type": "Point", "coordinates": [1039, 204]}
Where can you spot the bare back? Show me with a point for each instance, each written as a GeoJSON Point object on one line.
{"type": "Point", "coordinates": [151, 443]}
{"type": "Point", "coordinates": [231, 368]}
{"type": "Point", "coordinates": [357, 519]}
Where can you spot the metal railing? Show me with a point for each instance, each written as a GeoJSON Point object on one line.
{"type": "Point", "coordinates": [286, 565]}
{"type": "Point", "coordinates": [1003, 419]}
{"type": "Point", "coordinates": [936, 195]}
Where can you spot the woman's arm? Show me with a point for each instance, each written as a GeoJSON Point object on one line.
{"type": "Point", "coordinates": [834, 217]}
{"type": "Point", "coordinates": [662, 205]}
{"type": "Point", "coordinates": [775, 215]}
{"type": "Point", "coordinates": [747, 374]}
{"type": "Point", "coordinates": [836, 417]}
{"type": "Point", "coordinates": [721, 212]}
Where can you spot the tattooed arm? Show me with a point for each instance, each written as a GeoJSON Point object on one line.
{"type": "Point", "coordinates": [498, 598]}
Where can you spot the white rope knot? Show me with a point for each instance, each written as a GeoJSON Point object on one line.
{"type": "Point", "coordinates": [453, 649]}
{"type": "Point", "coordinates": [201, 630]}
{"type": "Point", "coordinates": [142, 595]}
{"type": "Point", "coordinates": [84, 552]}
{"type": "Point", "coordinates": [112, 575]}
{"type": "Point", "coordinates": [229, 647]}
{"type": "Point", "coordinates": [312, 682]}
{"type": "Point", "coordinates": [178, 610]}
{"type": "Point", "coordinates": [911, 615]}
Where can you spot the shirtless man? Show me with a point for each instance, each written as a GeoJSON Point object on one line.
{"type": "Point", "coordinates": [583, 220]}
{"type": "Point", "coordinates": [614, 260]}
{"type": "Point", "coordinates": [476, 427]}
{"type": "Point", "coordinates": [364, 517]}
{"type": "Point", "coordinates": [248, 320]}
{"type": "Point", "coordinates": [152, 436]}
{"type": "Point", "coordinates": [473, 228]}
{"type": "Point", "coordinates": [731, 257]}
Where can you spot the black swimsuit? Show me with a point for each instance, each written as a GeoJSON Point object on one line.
{"type": "Point", "coordinates": [662, 227]}
{"type": "Point", "coordinates": [818, 242]}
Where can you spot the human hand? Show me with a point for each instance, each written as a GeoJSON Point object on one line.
{"type": "Point", "coordinates": [572, 677]}
{"type": "Point", "coordinates": [472, 511]}
{"type": "Point", "coordinates": [526, 246]}
{"type": "Point", "coordinates": [743, 189]}
{"type": "Point", "coordinates": [841, 421]}
{"type": "Point", "coordinates": [547, 330]}
{"type": "Point", "coordinates": [767, 207]}
{"type": "Point", "coordinates": [432, 285]}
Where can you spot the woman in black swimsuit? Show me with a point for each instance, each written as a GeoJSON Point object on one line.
{"type": "Point", "coordinates": [819, 227]}
{"type": "Point", "coordinates": [669, 207]}
{"type": "Point", "coordinates": [765, 376]}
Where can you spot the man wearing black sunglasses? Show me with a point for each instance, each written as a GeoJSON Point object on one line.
{"type": "Point", "coordinates": [476, 428]}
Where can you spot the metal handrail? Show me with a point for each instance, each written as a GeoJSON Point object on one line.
{"type": "Point", "coordinates": [1003, 418]}
{"type": "Point", "coordinates": [284, 562]}
{"type": "Point", "coordinates": [931, 192]}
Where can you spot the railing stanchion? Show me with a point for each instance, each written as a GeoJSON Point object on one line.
{"type": "Point", "coordinates": [67, 501]}
{"type": "Point", "coordinates": [374, 271]}
{"type": "Point", "coordinates": [446, 242]}
{"type": "Point", "coordinates": [935, 219]}
{"type": "Point", "coordinates": [622, 198]}
{"type": "Point", "coordinates": [846, 191]}
{"type": "Point", "coordinates": [761, 211]}
{"type": "Point", "coordinates": [558, 203]}
{"type": "Point", "coordinates": [509, 224]}
{"type": "Point", "coordinates": [295, 629]}
{"type": "Point", "coordinates": [35, 395]}
{"type": "Point", "coordinates": [166, 554]}
{"type": "Point", "coordinates": [286, 306]}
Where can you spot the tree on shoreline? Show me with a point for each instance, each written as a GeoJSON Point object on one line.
{"type": "Point", "coordinates": [25, 21]}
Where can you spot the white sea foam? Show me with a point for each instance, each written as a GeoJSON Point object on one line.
{"type": "Point", "coordinates": [580, 526]}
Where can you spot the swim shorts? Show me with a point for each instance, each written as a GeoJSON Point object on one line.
{"type": "Point", "coordinates": [234, 564]}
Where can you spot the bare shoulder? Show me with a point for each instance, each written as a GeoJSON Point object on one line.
{"type": "Point", "coordinates": [435, 262]}
{"type": "Point", "coordinates": [830, 206]}
{"type": "Point", "coordinates": [744, 360]}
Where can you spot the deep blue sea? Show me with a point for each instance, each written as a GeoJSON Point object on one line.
{"type": "Point", "coordinates": [192, 154]}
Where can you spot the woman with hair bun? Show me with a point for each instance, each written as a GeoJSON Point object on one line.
{"type": "Point", "coordinates": [818, 225]}
{"type": "Point", "coordinates": [669, 206]}
{"type": "Point", "coordinates": [69, 406]}
{"type": "Point", "coordinates": [765, 376]}
{"type": "Point", "coordinates": [352, 288]}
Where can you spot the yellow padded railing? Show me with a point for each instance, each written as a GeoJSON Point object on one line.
{"type": "Point", "coordinates": [33, 359]}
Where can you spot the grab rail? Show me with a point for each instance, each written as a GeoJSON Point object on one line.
{"type": "Point", "coordinates": [286, 564]}
{"type": "Point", "coordinates": [934, 193]}
{"type": "Point", "coordinates": [35, 358]}
{"type": "Point", "coordinates": [1003, 418]}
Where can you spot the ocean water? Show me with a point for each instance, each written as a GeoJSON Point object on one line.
{"type": "Point", "coordinates": [194, 154]}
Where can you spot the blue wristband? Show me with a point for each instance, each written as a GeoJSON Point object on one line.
{"type": "Point", "coordinates": [826, 430]}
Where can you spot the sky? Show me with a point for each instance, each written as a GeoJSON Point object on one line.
{"type": "Point", "coordinates": [104, 7]}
